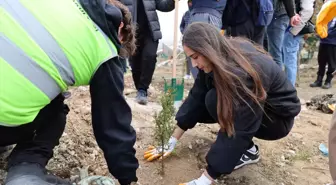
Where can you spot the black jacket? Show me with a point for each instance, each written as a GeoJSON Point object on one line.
{"type": "Point", "coordinates": [282, 102]}
{"type": "Point", "coordinates": [282, 7]}
{"type": "Point", "coordinates": [111, 115]}
{"type": "Point", "coordinates": [281, 95]}
{"type": "Point", "coordinates": [150, 10]}
{"type": "Point", "coordinates": [238, 11]}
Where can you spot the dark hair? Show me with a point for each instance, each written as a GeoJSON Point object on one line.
{"type": "Point", "coordinates": [128, 31]}
{"type": "Point", "coordinates": [231, 68]}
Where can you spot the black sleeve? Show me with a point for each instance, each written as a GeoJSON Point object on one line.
{"type": "Point", "coordinates": [228, 17]}
{"type": "Point", "coordinates": [165, 5]}
{"type": "Point", "coordinates": [193, 107]}
{"type": "Point", "coordinates": [282, 97]}
{"type": "Point", "coordinates": [183, 24]}
{"type": "Point", "coordinates": [290, 7]}
{"type": "Point", "coordinates": [111, 121]}
{"type": "Point", "coordinates": [226, 151]}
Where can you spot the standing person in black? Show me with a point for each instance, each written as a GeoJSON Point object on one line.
{"type": "Point", "coordinates": [148, 35]}
{"type": "Point", "coordinates": [238, 21]}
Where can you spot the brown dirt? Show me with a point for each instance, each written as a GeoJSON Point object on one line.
{"type": "Point", "coordinates": [292, 160]}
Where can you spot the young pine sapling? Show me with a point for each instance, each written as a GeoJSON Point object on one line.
{"type": "Point", "coordinates": [164, 123]}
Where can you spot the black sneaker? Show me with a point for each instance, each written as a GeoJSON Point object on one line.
{"type": "Point", "coordinates": [248, 157]}
{"type": "Point", "coordinates": [141, 97]}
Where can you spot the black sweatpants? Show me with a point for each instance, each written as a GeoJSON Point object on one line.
{"type": "Point", "coordinates": [249, 31]}
{"type": "Point", "coordinates": [226, 151]}
{"type": "Point", "coordinates": [326, 55]}
{"type": "Point", "coordinates": [144, 61]}
{"type": "Point", "coordinates": [272, 127]}
{"type": "Point", "coordinates": [35, 141]}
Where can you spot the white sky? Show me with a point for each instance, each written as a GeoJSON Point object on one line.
{"type": "Point", "coordinates": [167, 23]}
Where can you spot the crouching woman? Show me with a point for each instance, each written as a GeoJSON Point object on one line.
{"type": "Point", "coordinates": [241, 88]}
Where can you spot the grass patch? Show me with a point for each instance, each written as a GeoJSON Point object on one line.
{"type": "Point", "coordinates": [303, 155]}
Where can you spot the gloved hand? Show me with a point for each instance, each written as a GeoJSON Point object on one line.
{"type": "Point", "coordinates": [32, 174]}
{"type": "Point", "coordinates": [203, 180]}
{"type": "Point", "coordinates": [155, 152]}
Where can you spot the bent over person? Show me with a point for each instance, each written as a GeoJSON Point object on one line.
{"type": "Point", "coordinates": [241, 88]}
{"type": "Point", "coordinates": [46, 47]}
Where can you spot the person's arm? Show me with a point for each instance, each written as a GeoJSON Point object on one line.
{"type": "Point", "coordinates": [183, 23]}
{"type": "Point", "coordinates": [290, 7]}
{"type": "Point", "coordinates": [165, 5]}
{"type": "Point", "coordinates": [111, 121]}
{"type": "Point", "coordinates": [307, 10]}
{"type": "Point", "coordinates": [193, 108]}
{"type": "Point", "coordinates": [326, 14]}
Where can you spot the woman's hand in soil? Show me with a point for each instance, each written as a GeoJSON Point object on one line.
{"type": "Point", "coordinates": [156, 152]}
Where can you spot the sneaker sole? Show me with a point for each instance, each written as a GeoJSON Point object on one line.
{"type": "Point", "coordinates": [247, 163]}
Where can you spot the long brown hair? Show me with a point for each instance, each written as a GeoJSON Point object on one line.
{"type": "Point", "coordinates": [128, 31]}
{"type": "Point", "coordinates": [231, 68]}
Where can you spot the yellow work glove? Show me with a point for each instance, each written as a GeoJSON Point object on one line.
{"type": "Point", "coordinates": [155, 152]}
{"type": "Point", "coordinates": [326, 14]}
{"type": "Point", "coordinates": [332, 107]}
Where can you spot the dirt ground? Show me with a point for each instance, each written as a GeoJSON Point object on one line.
{"type": "Point", "coordinates": [293, 160]}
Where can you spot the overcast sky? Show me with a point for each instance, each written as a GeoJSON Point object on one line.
{"type": "Point", "coordinates": [167, 23]}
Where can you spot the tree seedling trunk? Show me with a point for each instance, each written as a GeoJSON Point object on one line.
{"type": "Point", "coordinates": [164, 123]}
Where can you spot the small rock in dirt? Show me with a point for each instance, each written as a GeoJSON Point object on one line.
{"type": "Point", "coordinates": [297, 135]}
{"type": "Point", "coordinates": [83, 88]}
{"type": "Point", "coordinates": [283, 158]}
{"type": "Point", "coordinates": [74, 178]}
{"type": "Point", "coordinates": [189, 146]}
{"type": "Point", "coordinates": [304, 108]}
{"type": "Point", "coordinates": [302, 101]}
{"type": "Point", "coordinates": [303, 66]}
{"type": "Point", "coordinates": [291, 152]}
{"type": "Point", "coordinates": [200, 141]}
{"type": "Point", "coordinates": [86, 110]}
{"type": "Point", "coordinates": [71, 152]}
{"type": "Point", "coordinates": [280, 164]}
{"type": "Point", "coordinates": [293, 175]}
{"type": "Point", "coordinates": [312, 123]}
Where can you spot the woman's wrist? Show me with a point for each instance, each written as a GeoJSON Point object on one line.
{"type": "Point", "coordinates": [178, 133]}
{"type": "Point", "coordinates": [206, 174]}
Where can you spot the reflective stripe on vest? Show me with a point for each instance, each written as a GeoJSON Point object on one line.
{"type": "Point", "coordinates": [42, 37]}
{"type": "Point", "coordinates": [52, 68]}
{"type": "Point", "coordinates": [28, 68]}
{"type": "Point", "coordinates": [45, 40]}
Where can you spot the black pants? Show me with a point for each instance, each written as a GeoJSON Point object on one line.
{"type": "Point", "coordinates": [326, 55]}
{"type": "Point", "coordinates": [144, 61]}
{"type": "Point", "coordinates": [272, 127]}
{"type": "Point", "coordinates": [249, 31]}
{"type": "Point", "coordinates": [35, 141]}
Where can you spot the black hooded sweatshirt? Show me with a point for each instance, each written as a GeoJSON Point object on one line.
{"type": "Point", "coordinates": [111, 115]}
